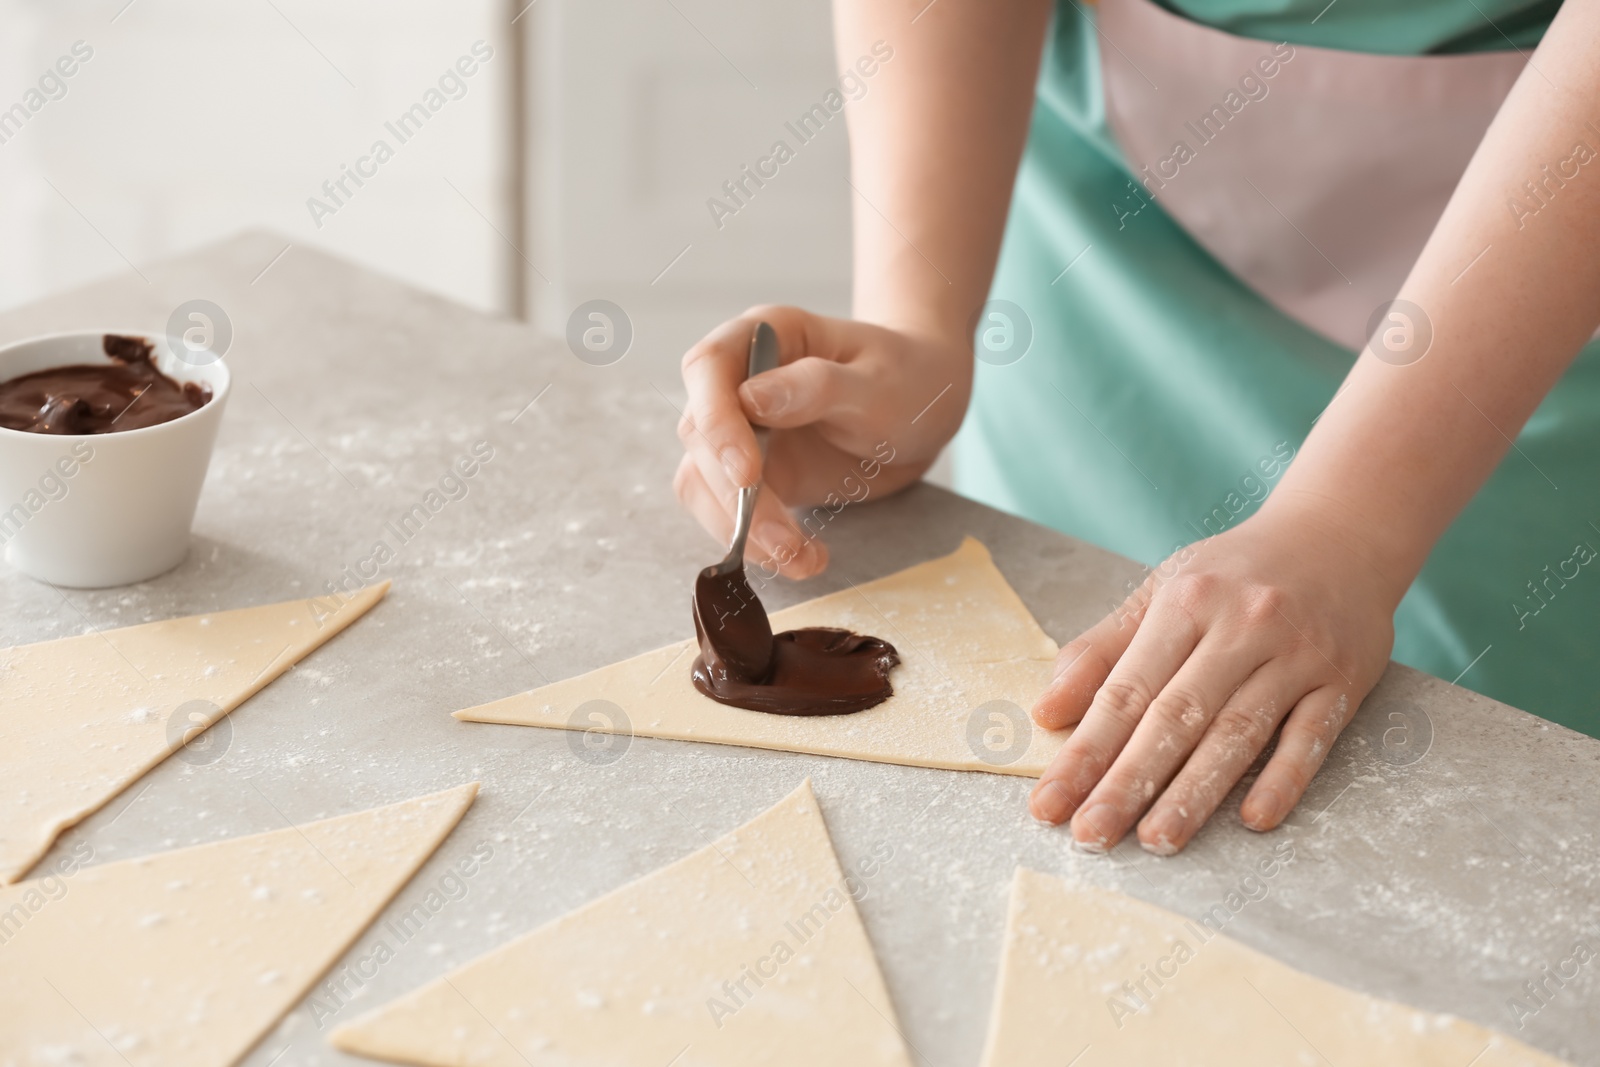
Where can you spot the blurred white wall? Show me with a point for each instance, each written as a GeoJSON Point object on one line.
{"type": "Point", "coordinates": [192, 120]}
{"type": "Point", "coordinates": [642, 110]}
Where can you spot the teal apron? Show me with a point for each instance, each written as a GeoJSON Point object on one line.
{"type": "Point", "coordinates": [1136, 392]}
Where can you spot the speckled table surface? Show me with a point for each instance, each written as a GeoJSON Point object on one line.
{"type": "Point", "coordinates": [1449, 851]}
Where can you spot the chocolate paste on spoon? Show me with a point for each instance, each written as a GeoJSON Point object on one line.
{"type": "Point", "coordinates": [128, 393]}
{"type": "Point", "coordinates": [814, 671]}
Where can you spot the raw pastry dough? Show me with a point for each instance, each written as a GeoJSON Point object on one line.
{"type": "Point", "coordinates": [186, 958]}
{"type": "Point", "coordinates": [83, 717]}
{"type": "Point", "coordinates": [649, 973]}
{"type": "Point", "coordinates": [973, 661]}
{"type": "Point", "coordinates": [1208, 1001]}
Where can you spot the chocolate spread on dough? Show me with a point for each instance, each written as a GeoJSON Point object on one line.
{"type": "Point", "coordinates": [815, 671]}
{"type": "Point", "coordinates": [126, 394]}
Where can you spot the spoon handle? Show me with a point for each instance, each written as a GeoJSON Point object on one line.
{"type": "Point", "coordinates": [741, 523]}
{"type": "Point", "coordinates": [764, 356]}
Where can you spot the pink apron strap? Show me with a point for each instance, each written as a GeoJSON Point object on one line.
{"type": "Point", "coordinates": [1314, 175]}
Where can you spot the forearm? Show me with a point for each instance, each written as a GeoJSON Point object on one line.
{"type": "Point", "coordinates": [934, 147]}
{"type": "Point", "coordinates": [1511, 297]}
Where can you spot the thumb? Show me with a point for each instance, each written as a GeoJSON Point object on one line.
{"type": "Point", "coordinates": [811, 389]}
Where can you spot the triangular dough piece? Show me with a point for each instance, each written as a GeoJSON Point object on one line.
{"type": "Point", "coordinates": [1208, 1001]}
{"type": "Point", "coordinates": [83, 717]}
{"type": "Point", "coordinates": [186, 958]}
{"type": "Point", "coordinates": [638, 976]}
{"type": "Point", "coordinates": [965, 639]}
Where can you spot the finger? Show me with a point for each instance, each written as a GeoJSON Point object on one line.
{"type": "Point", "coordinates": [1230, 745]}
{"type": "Point", "coordinates": [1169, 731]}
{"type": "Point", "coordinates": [1084, 663]}
{"type": "Point", "coordinates": [808, 390]}
{"type": "Point", "coordinates": [699, 501]}
{"type": "Point", "coordinates": [776, 544]}
{"type": "Point", "coordinates": [713, 427]}
{"type": "Point", "coordinates": [1308, 734]}
{"type": "Point", "coordinates": [714, 369]}
{"type": "Point", "coordinates": [782, 546]}
{"type": "Point", "coordinates": [801, 465]}
{"type": "Point", "coordinates": [1158, 649]}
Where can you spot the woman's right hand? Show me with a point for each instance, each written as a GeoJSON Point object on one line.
{"type": "Point", "coordinates": [856, 410]}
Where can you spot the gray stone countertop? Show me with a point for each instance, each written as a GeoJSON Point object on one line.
{"type": "Point", "coordinates": [1444, 871]}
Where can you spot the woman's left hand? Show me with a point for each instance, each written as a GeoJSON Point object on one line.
{"type": "Point", "coordinates": [1283, 619]}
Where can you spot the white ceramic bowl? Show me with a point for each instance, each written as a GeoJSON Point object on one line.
{"type": "Point", "coordinates": [95, 510]}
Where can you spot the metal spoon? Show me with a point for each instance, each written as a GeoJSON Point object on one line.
{"type": "Point", "coordinates": [735, 636]}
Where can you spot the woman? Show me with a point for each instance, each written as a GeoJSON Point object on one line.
{"type": "Point", "coordinates": [1210, 209]}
